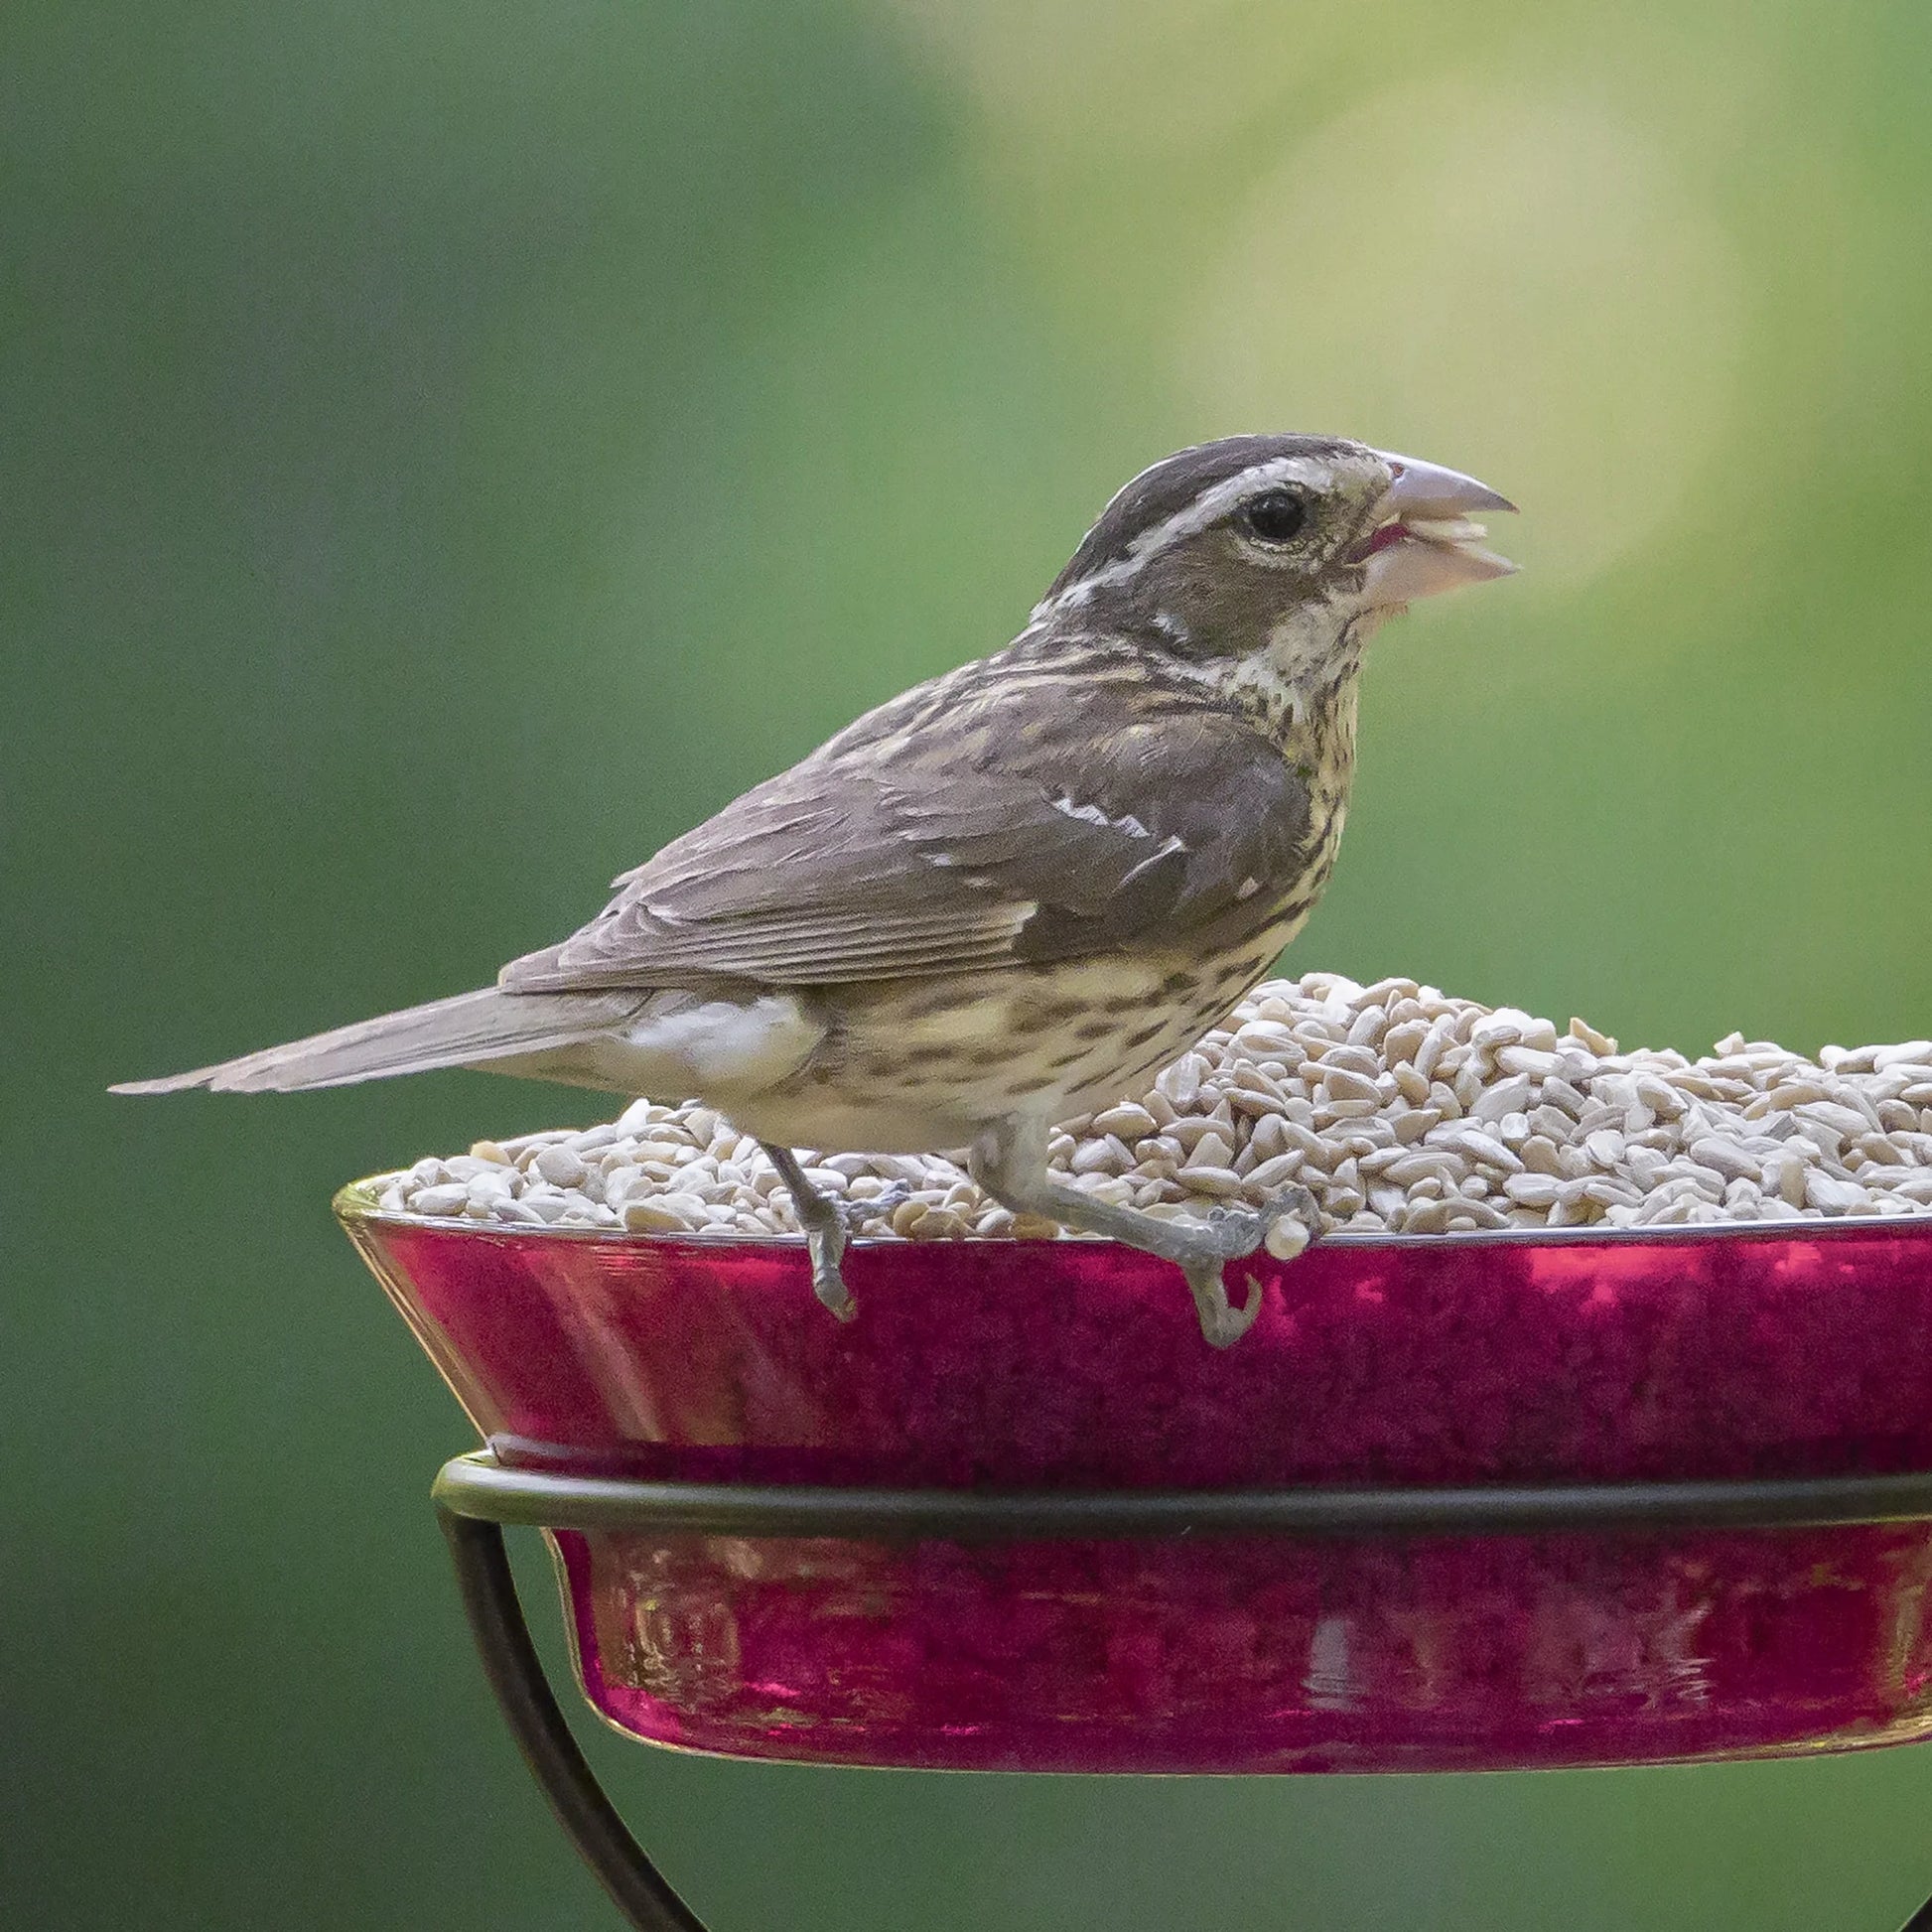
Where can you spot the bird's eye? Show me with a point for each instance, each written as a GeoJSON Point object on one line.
{"type": "Point", "coordinates": [1275, 516]}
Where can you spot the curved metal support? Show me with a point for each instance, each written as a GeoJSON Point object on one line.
{"type": "Point", "coordinates": [542, 1734]}
{"type": "Point", "coordinates": [476, 1495]}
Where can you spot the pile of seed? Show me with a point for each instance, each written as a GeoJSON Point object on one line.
{"type": "Point", "coordinates": [1401, 1109]}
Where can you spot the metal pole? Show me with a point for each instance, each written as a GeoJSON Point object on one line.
{"type": "Point", "coordinates": [537, 1723]}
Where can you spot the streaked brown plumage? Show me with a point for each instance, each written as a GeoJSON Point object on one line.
{"type": "Point", "coordinates": [1008, 895]}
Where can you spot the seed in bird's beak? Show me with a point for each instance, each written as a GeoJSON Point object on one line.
{"type": "Point", "coordinates": [1429, 544]}
{"type": "Point", "coordinates": [1444, 529]}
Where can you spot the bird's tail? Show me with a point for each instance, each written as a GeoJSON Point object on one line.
{"type": "Point", "coordinates": [470, 1030]}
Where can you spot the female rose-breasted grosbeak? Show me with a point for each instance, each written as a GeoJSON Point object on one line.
{"type": "Point", "coordinates": [1009, 896]}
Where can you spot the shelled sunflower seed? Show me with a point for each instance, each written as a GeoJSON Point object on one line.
{"type": "Point", "coordinates": [1401, 1109]}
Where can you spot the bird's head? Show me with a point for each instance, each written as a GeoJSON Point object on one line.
{"type": "Point", "coordinates": [1296, 544]}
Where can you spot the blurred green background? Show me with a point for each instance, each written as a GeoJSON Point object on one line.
{"type": "Point", "coordinates": [446, 450]}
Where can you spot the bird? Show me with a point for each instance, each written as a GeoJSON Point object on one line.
{"type": "Point", "coordinates": [1008, 895]}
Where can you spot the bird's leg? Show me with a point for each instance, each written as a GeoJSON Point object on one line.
{"type": "Point", "coordinates": [1009, 1161]}
{"type": "Point", "coordinates": [828, 1226]}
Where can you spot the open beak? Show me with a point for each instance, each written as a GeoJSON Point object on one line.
{"type": "Point", "coordinates": [1427, 540]}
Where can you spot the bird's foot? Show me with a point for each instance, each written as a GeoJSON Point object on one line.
{"type": "Point", "coordinates": [1284, 1225]}
{"type": "Point", "coordinates": [830, 1227]}
{"type": "Point", "coordinates": [1011, 1167]}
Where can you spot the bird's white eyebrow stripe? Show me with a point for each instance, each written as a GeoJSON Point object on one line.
{"type": "Point", "coordinates": [1208, 507]}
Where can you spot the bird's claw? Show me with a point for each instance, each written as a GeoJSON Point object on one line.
{"type": "Point", "coordinates": [825, 1243]}
{"type": "Point", "coordinates": [1237, 1232]}
{"type": "Point", "coordinates": [1222, 1325]}
{"type": "Point", "coordinates": [828, 1235]}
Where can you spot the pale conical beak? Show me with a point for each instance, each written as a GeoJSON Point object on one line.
{"type": "Point", "coordinates": [1427, 542]}
{"type": "Point", "coordinates": [1428, 490]}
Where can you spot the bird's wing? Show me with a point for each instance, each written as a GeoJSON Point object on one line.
{"type": "Point", "coordinates": [975, 822]}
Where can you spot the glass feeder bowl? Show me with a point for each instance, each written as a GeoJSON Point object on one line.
{"type": "Point", "coordinates": [1767, 1352]}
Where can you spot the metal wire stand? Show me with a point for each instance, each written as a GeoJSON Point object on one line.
{"type": "Point", "coordinates": [476, 1496]}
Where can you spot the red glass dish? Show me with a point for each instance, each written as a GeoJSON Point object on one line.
{"type": "Point", "coordinates": [1756, 1351]}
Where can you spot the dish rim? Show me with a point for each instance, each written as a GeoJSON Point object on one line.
{"type": "Point", "coordinates": [357, 1203]}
